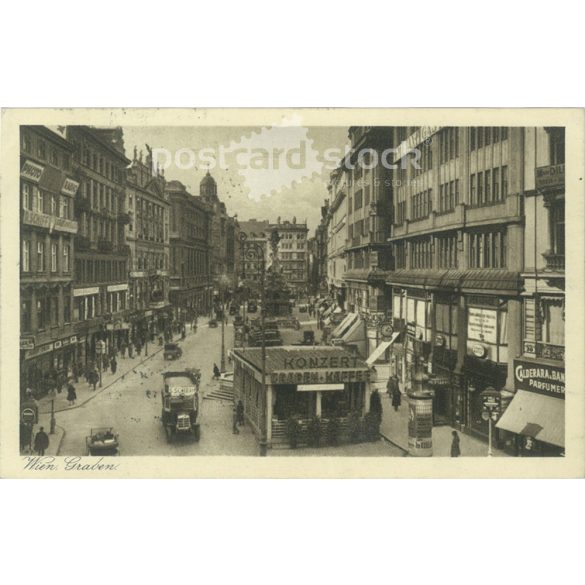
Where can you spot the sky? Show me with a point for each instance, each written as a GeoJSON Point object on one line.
{"type": "Point", "coordinates": [261, 173]}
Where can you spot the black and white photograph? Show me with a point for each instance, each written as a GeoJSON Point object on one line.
{"type": "Point", "coordinates": [290, 290]}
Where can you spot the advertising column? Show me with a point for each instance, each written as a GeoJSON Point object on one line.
{"type": "Point", "coordinates": [420, 424]}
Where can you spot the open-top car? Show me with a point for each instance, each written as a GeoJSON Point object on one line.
{"type": "Point", "coordinates": [102, 441]}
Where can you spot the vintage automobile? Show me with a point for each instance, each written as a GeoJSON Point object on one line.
{"type": "Point", "coordinates": [233, 309]}
{"type": "Point", "coordinates": [252, 306]}
{"type": "Point", "coordinates": [238, 321]}
{"type": "Point", "coordinates": [172, 351]}
{"type": "Point", "coordinates": [102, 441]}
{"type": "Point", "coordinates": [212, 323]}
{"type": "Point", "coordinates": [180, 404]}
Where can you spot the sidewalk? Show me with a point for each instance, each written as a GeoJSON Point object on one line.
{"type": "Point", "coordinates": [83, 389]}
{"type": "Point", "coordinates": [55, 440]}
{"type": "Point", "coordinates": [394, 428]}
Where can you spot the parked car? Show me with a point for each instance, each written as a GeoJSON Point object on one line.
{"type": "Point", "coordinates": [172, 351]}
{"type": "Point", "coordinates": [102, 441]}
{"type": "Point", "coordinates": [252, 307]}
{"type": "Point", "coordinates": [238, 321]}
{"type": "Point", "coordinates": [234, 309]}
{"type": "Point", "coordinates": [212, 322]}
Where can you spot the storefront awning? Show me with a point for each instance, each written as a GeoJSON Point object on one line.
{"type": "Point", "coordinates": [355, 333]}
{"type": "Point", "coordinates": [536, 415]}
{"type": "Point", "coordinates": [328, 312]}
{"type": "Point", "coordinates": [377, 353]}
{"type": "Point", "coordinates": [338, 331]}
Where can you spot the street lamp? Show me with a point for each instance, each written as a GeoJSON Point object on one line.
{"type": "Point", "coordinates": [254, 251]}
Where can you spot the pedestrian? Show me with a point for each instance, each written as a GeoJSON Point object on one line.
{"type": "Point", "coordinates": [235, 429]}
{"type": "Point", "coordinates": [455, 450]}
{"type": "Point", "coordinates": [41, 441]}
{"type": "Point", "coordinates": [93, 378]}
{"type": "Point", "coordinates": [240, 412]}
{"type": "Point", "coordinates": [394, 392]}
{"type": "Point", "coordinates": [376, 405]}
{"type": "Point", "coordinates": [138, 348]}
{"type": "Point", "coordinates": [123, 350]}
{"type": "Point", "coordinates": [71, 394]}
{"type": "Point", "coordinates": [130, 350]}
{"type": "Point", "coordinates": [114, 365]}
{"type": "Point", "coordinates": [216, 372]}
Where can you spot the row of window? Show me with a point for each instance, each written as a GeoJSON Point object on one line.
{"type": "Point", "coordinates": [37, 261]}
{"type": "Point", "coordinates": [91, 306]}
{"type": "Point", "coordinates": [292, 255]}
{"type": "Point", "coordinates": [448, 196]}
{"type": "Point", "coordinates": [484, 136]}
{"type": "Point", "coordinates": [151, 261]}
{"type": "Point", "coordinates": [46, 313]}
{"type": "Point", "coordinates": [488, 187]}
{"type": "Point", "coordinates": [101, 196]}
{"type": "Point", "coordinates": [189, 262]}
{"type": "Point", "coordinates": [92, 270]}
{"type": "Point", "coordinates": [448, 144]}
{"type": "Point", "coordinates": [39, 201]}
{"type": "Point", "coordinates": [485, 250]}
{"type": "Point", "coordinates": [421, 204]}
{"type": "Point", "coordinates": [101, 165]}
{"type": "Point", "coordinates": [44, 151]}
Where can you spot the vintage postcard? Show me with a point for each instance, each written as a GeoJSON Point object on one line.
{"type": "Point", "coordinates": [292, 293]}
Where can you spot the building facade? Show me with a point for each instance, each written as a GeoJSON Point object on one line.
{"type": "Point", "coordinates": [539, 372]}
{"type": "Point", "coordinates": [292, 253]}
{"type": "Point", "coordinates": [191, 284]}
{"type": "Point", "coordinates": [100, 304]}
{"type": "Point", "coordinates": [337, 235]}
{"type": "Point", "coordinates": [225, 231]}
{"type": "Point", "coordinates": [148, 238]}
{"type": "Point", "coordinates": [457, 238]}
{"type": "Point", "coordinates": [257, 238]}
{"type": "Point", "coordinates": [369, 214]}
{"type": "Point", "coordinates": [48, 340]}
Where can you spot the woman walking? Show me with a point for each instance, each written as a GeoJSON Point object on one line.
{"type": "Point", "coordinates": [455, 450]}
{"type": "Point", "coordinates": [71, 394]}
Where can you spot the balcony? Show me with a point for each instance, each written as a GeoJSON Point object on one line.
{"type": "Point", "coordinates": [549, 351]}
{"type": "Point", "coordinates": [554, 262]}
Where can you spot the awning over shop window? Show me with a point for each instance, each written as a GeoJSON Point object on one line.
{"type": "Point", "coordinates": [379, 351]}
{"type": "Point", "coordinates": [328, 312]}
{"type": "Point", "coordinates": [339, 330]}
{"type": "Point", "coordinates": [355, 333]}
{"type": "Point", "coordinates": [536, 415]}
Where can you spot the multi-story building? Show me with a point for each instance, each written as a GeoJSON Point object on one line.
{"type": "Point", "coordinates": [318, 255]}
{"type": "Point", "coordinates": [191, 284]}
{"type": "Point", "coordinates": [47, 189]}
{"type": "Point", "coordinates": [147, 235]}
{"type": "Point", "coordinates": [100, 306]}
{"type": "Point", "coordinates": [293, 253]}
{"type": "Point", "coordinates": [539, 372]}
{"type": "Point", "coordinates": [257, 238]}
{"type": "Point", "coordinates": [224, 236]}
{"type": "Point", "coordinates": [369, 205]}
{"type": "Point", "coordinates": [457, 236]}
{"type": "Point", "coordinates": [337, 235]}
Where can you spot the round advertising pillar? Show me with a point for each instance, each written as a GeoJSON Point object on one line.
{"type": "Point", "coordinates": [420, 424]}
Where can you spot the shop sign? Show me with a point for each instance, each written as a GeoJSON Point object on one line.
{"type": "Point", "coordinates": [482, 324]}
{"type": "Point", "coordinates": [40, 350]}
{"type": "Point", "coordinates": [414, 140]}
{"type": "Point", "coordinates": [32, 171]}
{"type": "Point", "coordinates": [478, 350]}
{"type": "Point", "coordinates": [319, 387]}
{"type": "Point", "coordinates": [28, 416]}
{"type": "Point", "coordinates": [117, 287]}
{"type": "Point", "coordinates": [27, 343]}
{"type": "Point", "coordinates": [411, 329]}
{"type": "Point", "coordinates": [73, 339]}
{"type": "Point", "coordinates": [550, 176]}
{"type": "Point", "coordinates": [439, 340]}
{"type": "Point", "coordinates": [65, 342]}
{"type": "Point", "coordinates": [320, 377]}
{"type": "Point", "coordinates": [83, 292]}
{"type": "Point", "coordinates": [57, 344]}
{"type": "Point", "coordinates": [312, 362]}
{"type": "Point", "coordinates": [539, 378]}
{"type": "Point", "coordinates": [69, 187]}
{"type": "Point", "coordinates": [386, 330]}
{"type": "Point", "coordinates": [491, 400]}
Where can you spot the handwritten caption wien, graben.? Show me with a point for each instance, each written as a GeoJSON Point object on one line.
{"type": "Point", "coordinates": [50, 463]}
